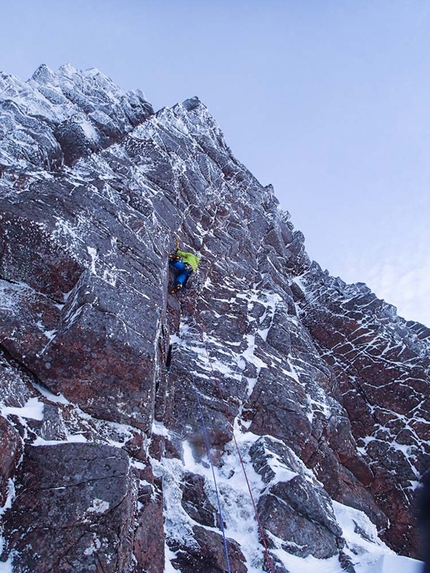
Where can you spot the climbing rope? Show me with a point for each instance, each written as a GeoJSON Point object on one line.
{"type": "Point", "coordinates": [190, 313]}
{"type": "Point", "coordinates": [226, 413]}
{"type": "Point", "coordinates": [221, 518]}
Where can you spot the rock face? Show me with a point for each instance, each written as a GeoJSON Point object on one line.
{"type": "Point", "coordinates": [73, 503]}
{"type": "Point", "coordinates": [312, 395]}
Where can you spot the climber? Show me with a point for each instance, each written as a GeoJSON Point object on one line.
{"type": "Point", "coordinates": [184, 264]}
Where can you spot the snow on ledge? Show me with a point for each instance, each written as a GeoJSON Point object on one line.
{"type": "Point", "coordinates": [71, 438]}
{"type": "Point", "coordinates": [33, 409]}
{"type": "Point", "coordinates": [398, 564]}
{"type": "Point", "coordinates": [367, 552]}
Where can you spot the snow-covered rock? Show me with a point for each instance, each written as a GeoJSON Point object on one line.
{"type": "Point", "coordinates": [269, 415]}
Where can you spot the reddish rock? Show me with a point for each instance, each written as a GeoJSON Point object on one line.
{"type": "Point", "coordinates": [279, 410]}
{"type": "Point", "coordinates": [300, 533]}
{"type": "Point", "coordinates": [76, 504]}
{"type": "Point", "coordinates": [384, 379]}
{"type": "Point", "coordinates": [15, 384]}
{"type": "Point", "coordinates": [208, 556]}
{"type": "Point", "coordinates": [31, 254]}
{"type": "Point", "coordinates": [195, 501]}
{"type": "Point", "coordinates": [148, 544]}
{"type": "Point", "coordinates": [296, 511]}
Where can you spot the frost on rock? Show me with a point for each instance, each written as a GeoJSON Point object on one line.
{"type": "Point", "coordinates": [56, 117]}
{"type": "Point", "coordinates": [312, 394]}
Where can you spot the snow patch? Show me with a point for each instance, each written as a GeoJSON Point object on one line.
{"type": "Point", "coordinates": [308, 564]}
{"type": "Point", "coordinates": [94, 547]}
{"type": "Point", "coordinates": [159, 429]}
{"type": "Point", "coordinates": [88, 130]}
{"type": "Point", "coordinates": [73, 438]}
{"type": "Point", "coordinates": [397, 564]}
{"type": "Point", "coordinates": [169, 556]}
{"type": "Point", "coordinates": [57, 398]}
{"type": "Point", "coordinates": [10, 497]}
{"type": "Point", "coordinates": [98, 506]}
{"type": "Point", "coordinates": [7, 566]}
{"type": "Point", "coordinates": [94, 258]}
{"type": "Point", "coordinates": [178, 525]}
{"type": "Point", "coordinates": [282, 474]}
{"type": "Point", "coordinates": [33, 410]}
{"type": "Point", "coordinates": [367, 552]}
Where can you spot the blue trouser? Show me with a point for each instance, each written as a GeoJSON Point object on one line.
{"type": "Point", "coordinates": [183, 272]}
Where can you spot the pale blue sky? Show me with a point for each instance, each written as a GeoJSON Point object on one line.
{"type": "Point", "coordinates": [327, 100]}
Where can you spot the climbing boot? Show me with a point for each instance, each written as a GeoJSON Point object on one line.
{"type": "Point", "coordinates": [176, 288]}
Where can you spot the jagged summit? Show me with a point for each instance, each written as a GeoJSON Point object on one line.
{"type": "Point", "coordinates": [313, 389]}
{"type": "Point", "coordinates": [43, 75]}
{"type": "Point", "coordinates": [56, 118]}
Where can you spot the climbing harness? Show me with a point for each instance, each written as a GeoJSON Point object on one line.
{"type": "Point", "coordinates": [208, 450]}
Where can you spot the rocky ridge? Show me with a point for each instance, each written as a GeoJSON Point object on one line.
{"type": "Point", "coordinates": [321, 386]}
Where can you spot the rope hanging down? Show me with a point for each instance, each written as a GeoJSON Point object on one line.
{"type": "Point", "coordinates": [221, 518]}
{"type": "Point", "coordinates": [257, 518]}
{"type": "Point", "coordinates": [219, 389]}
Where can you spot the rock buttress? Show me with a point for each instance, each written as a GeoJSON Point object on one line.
{"type": "Point", "coordinates": [324, 386]}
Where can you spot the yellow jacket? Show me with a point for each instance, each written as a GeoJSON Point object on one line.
{"type": "Point", "coordinates": [189, 258]}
